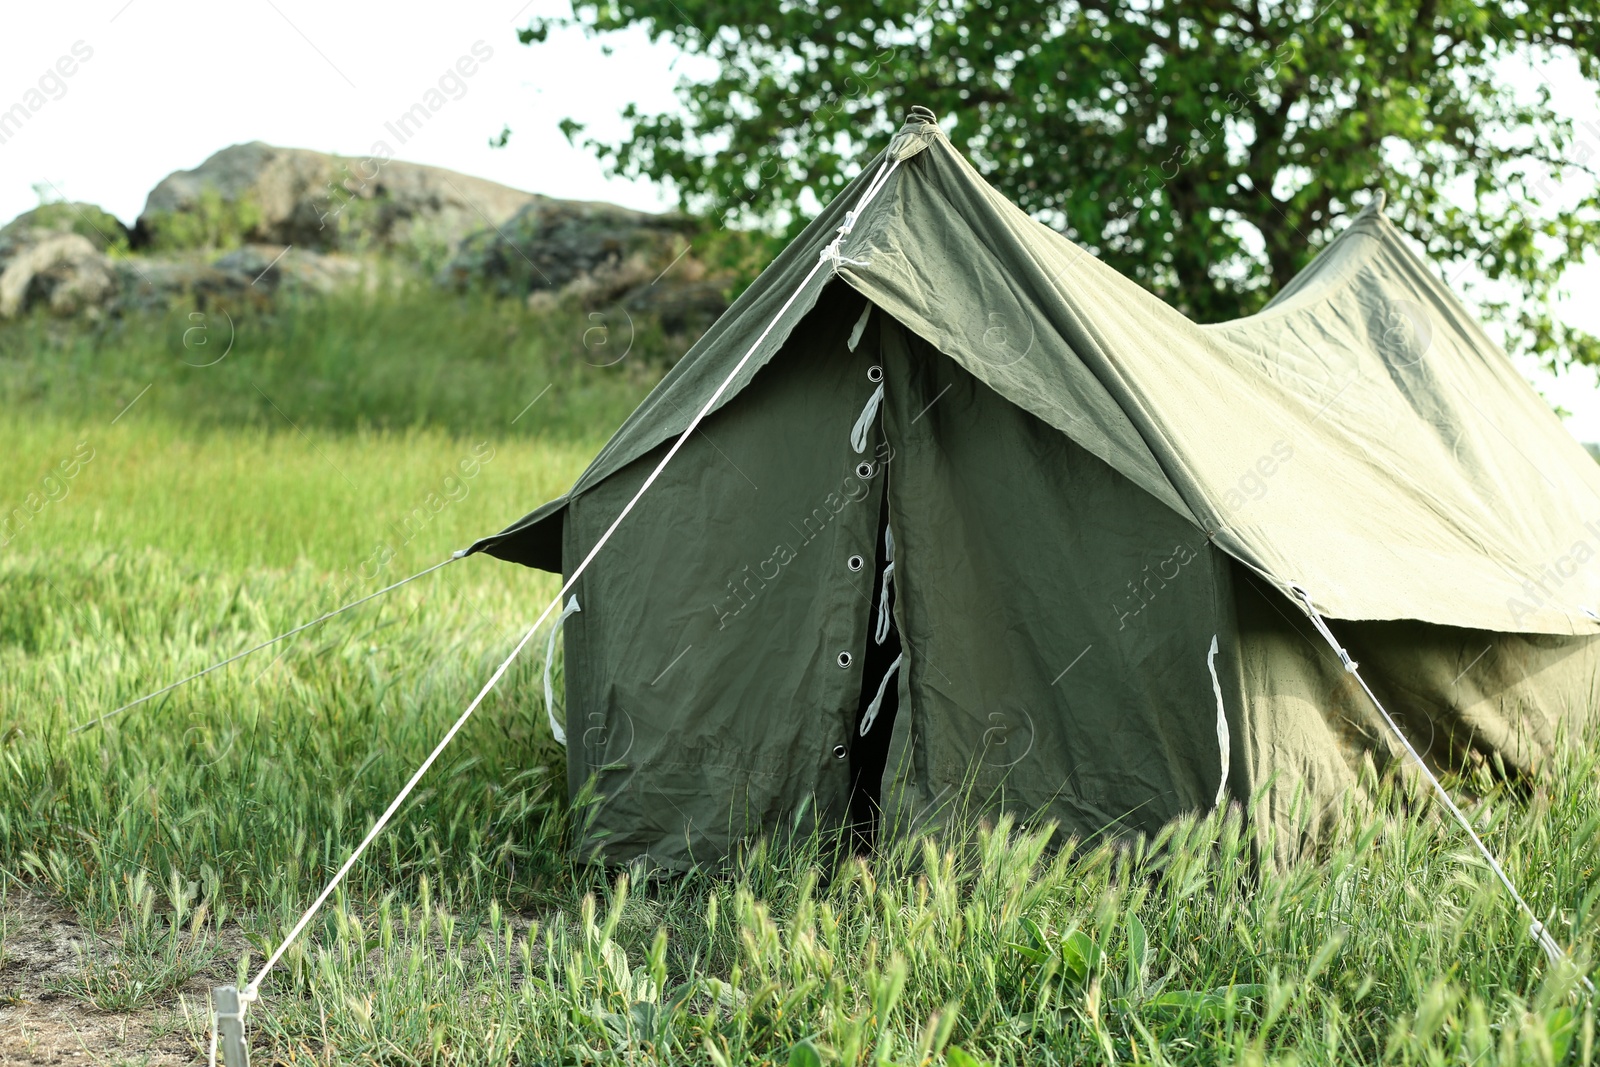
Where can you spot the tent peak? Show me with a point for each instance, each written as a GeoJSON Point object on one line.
{"type": "Point", "coordinates": [920, 130]}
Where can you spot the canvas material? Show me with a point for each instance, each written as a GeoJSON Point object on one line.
{"type": "Point", "coordinates": [1056, 619]}
{"type": "Point", "coordinates": [703, 685]}
{"type": "Point", "coordinates": [1361, 437]}
{"type": "Point", "coordinates": [1313, 745]}
{"type": "Point", "coordinates": [1429, 481]}
{"type": "Point", "coordinates": [534, 539]}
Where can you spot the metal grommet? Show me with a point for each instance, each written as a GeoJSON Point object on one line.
{"type": "Point", "coordinates": [855, 563]}
{"type": "Point", "coordinates": [840, 752]}
{"type": "Point", "coordinates": [874, 374]}
{"type": "Point", "coordinates": [845, 659]}
{"type": "Point", "coordinates": [864, 469]}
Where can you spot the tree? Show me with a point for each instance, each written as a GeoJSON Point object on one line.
{"type": "Point", "coordinates": [1206, 148]}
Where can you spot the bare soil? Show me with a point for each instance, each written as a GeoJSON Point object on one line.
{"type": "Point", "coordinates": [43, 945]}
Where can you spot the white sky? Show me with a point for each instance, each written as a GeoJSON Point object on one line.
{"type": "Point", "coordinates": [170, 82]}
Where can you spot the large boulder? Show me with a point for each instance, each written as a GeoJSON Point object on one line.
{"type": "Point", "coordinates": [68, 275]}
{"type": "Point", "coordinates": [63, 271]}
{"type": "Point", "coordinates": [293, 196]}
{"type": "Point", "coordinates": [596, 255]}
{"type": "Point", "coordinates": [550, 244]}
{"type": "Point", "coordinates": [251, 276]}
{"type": "Point", "coordinates": [254, 221]}
{"type": "Point", "coordinates": [274, 268]}
{"type": "Point", "coordinates": [101, 228]}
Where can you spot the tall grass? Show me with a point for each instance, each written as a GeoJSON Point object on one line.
{"type": "Point", "coordinates": [397, 355]}
{"type": "Point", "coordinates": [193, 830]}
{"type": "Point", "coordinates": [236, 499]}
{"type": "Point", "coordinates": [471, 935]}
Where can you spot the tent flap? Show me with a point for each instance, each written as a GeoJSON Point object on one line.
{"type": "Point", "coordinates": [533, 540]}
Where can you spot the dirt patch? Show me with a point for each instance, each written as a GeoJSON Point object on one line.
{"type": "Point", "coordinates": [44, 947]}
{"type": "Point", "coordinates": [64, 1032]}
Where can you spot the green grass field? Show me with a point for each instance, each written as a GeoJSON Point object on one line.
{"type": "Point", "coordinates": [186, 836]}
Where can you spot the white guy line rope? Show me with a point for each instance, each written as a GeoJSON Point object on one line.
{"type": "Point", "coordinates": [234, 658]}
{"type": "Point", "coordinates": [1536, 930]}
{"type": "Point", "coordinates": [250, 993]}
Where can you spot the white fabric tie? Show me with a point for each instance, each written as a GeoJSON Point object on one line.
{"type": "Point", "coordinates": [858, 436]}
{"type": "Point", "coordinates": [877, 701]}
{"type": "Point", "coordinates": [882, 633]}
{"type": "Point", "coordinates": [860, 327]}
{"type": "Point", "coordinates": [549, 658]}
{"type": "Point", "coordinates": [884, 615]}
{"type": "Point", "coordinates": [831, 253]}
{"type": "Point", "coordinates": [1222, 723]}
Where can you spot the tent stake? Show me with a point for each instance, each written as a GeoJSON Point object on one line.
{"type": "Point", "coordinates": [228, 1019]}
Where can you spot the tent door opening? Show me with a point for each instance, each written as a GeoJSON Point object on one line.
{"type": "Point", "coordinates": [869, 740]}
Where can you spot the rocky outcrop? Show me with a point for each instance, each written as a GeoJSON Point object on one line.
{"type": "Point", "coordinates": [273, 267]}
{"type": "Point", "coordinates": [99, 227]}
{"type": "Point", "coordinates": [250, 276]}
{"type": "Point", "coordinates": [66, 274]}
{"type": "Point", "coordinates": [549, 244]}
{"type": "Point", "coordinates": [596, 255]}
{"type": "Point", "coordinates": [63, 271]}
{"type": "Point", "coordinates": [55, 255]}
{"type": "Point", "coordinates": [255, 221]}
{"type": "Point", "coordinates": [293, 196]}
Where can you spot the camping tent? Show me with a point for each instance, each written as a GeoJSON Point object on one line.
{"type": "Point", "coordinates": [1105, 522]}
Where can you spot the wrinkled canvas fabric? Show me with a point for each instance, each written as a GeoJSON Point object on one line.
{"type": "Point", "coordinates": [1058, 618]}
{"type": "Point", "coordinates": [1361, 437]}
{"type": "Point", "coordinates": [1313, 745]}
{"type": "Point", "coordinates": [1071, 467]}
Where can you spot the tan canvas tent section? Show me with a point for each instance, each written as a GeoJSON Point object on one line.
{"type": "Point", "coordinates": [1100, 511]}
{"type": "Point", "coordinates": [1429, 481]}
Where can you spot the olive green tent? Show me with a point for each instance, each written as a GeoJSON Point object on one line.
{"type": "Point", "coordinates": [1100, 516]}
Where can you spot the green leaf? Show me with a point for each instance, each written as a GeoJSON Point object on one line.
{"type": "Point", "coordinates": [1242, 992]}
{"type": "Point", "coordinates": [1562, 1025]}
{"type": "Point", "coordinates": [1138, 956]}
{"type": "Point", "coordinates": [805, 1054]}
{"type": "Point", "coordinates": [1079, 957]}
{"type": "Point", "coordinates": [958, 1057]}
{"type": "Point", "coordinates": [1032, 954]}
{"type": "Point", "coordinates": [1212, 1004]}
{"type": "Point", "coordinates": [1190, 1002]}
